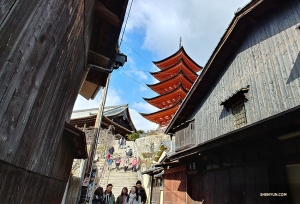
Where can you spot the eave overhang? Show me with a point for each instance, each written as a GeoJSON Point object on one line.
{"type": "Point", "coordinates": [180, 91]}
{"type": "Point", "coordinates": [171, 60]}
{"type": "Point", "coordinates": [106, 20]}
{"type": "Point", "coordinates": [171, 83]}
{"type": "Point", "coordinates": [173, 70]}
{"type": "Point", "coordinates": [159, 117]}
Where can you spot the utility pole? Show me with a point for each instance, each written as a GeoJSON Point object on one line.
{"type": "Point", "coordinates": [97, 129]}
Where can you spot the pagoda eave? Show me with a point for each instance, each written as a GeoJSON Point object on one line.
{"type": "Point", "coordinates": [163, 64]}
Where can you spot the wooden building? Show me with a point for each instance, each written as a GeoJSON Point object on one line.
{"type": "Point", "coordinates": [118, 116]}
{"type": "Point", "coordinates": [238, 129]}
{"type": "Point", "coordinates": [45, 47]}
{"type": "Point", "coordinates": [176, 76]}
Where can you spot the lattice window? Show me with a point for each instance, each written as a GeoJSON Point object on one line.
{"type": "Point", "coordinates": [239, 113]}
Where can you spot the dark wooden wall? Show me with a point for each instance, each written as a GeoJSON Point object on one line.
{"type": "Point", "coordinates": [267, 59]}
{"type": "Point", "coordinates": [240, 184]}
{"type": "Point", "coordinates": [43, 49]}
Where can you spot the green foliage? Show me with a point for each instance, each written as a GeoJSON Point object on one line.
{"type": "Point", "coordinates": [141, 131]}
{"type": "Point", "coordinates": [133, 136]}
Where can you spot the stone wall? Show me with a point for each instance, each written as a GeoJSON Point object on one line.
{"type": "Point", "coordinates": [150, 143]}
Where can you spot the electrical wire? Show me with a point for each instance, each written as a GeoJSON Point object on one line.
{"type": "Point", "coordinates": [134, 79]}
{"type": "Point", "coordinates": [140, 70]}
{"type": "Point", "coordinates": [126, 23]}
{"type": "Point", "coordinates": [150, 63]}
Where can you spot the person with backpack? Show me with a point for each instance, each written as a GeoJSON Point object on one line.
{"type": "Point", "coordinates": [108, 196]}
{"type": "Point", "coordinates": [133, 197]}
{"type": "Point", "coordinates": [109, 161]}
{"type": "Point", "coordinates": [121, 199]}
{"type": "Point", "coordinates": [98, 196]}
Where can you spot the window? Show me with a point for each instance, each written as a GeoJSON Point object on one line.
{"type": "Point", "coordinates": [192, 126]}
{"type": "Point", "coordinates": [239, 113]}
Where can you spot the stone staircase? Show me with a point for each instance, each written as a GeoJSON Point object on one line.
{"type": "Point", "coordinates": [119, 179]}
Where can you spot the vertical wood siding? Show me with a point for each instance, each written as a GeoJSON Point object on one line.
{"type": "Point", "coordinates": [269, 61]}
{"type": "Point", "coordinates": [42, 52]}
{"type": "Point", "coordinates": [185, 136]}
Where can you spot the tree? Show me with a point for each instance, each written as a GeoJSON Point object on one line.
{"type": "Point", "coordinates": [135, 135]}
{"type": "Point", "coordinates": [141, 131]}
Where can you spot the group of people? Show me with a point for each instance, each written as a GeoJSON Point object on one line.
{"type": "Point", "coordinates": [118, 160]}
{"type": "Point", "coordinates": [136, 195]}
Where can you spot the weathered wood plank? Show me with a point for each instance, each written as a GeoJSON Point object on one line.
{"type": "Point", "coordinates": [6, 6]}
{"type": "Point", "coordinates": [103, 12]}
{"type": "Point", "coordinates": [43, 51]}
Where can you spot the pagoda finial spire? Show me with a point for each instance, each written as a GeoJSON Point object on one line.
{"type": "Point", "coordinates": [180, 43]}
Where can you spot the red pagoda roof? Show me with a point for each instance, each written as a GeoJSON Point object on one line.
{"type": "Point", "coordinates": [173, 59]}
{"type": "Point", "coordinates": [169, 98]}
{"type": "Point", "coordinates": [162, 117]}
{"type": "Point", "coordinates": [171, 84]}
{"type": "Point", "coordinates": [173, 70]}
{"type": "Point", "coordinates": [176, 77]}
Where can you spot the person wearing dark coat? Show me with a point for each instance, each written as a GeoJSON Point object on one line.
{"type": "Point", "coordinates": [98, 196]}
{"type": "Point", "coordinates": [141, 192]}
{"type": "Point", "coordinates": [111, 150]}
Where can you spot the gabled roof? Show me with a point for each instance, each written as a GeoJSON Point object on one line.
{"type": "Point", "coordinates": [155, 101]}
{"type": "Point", "coordinates": [109, 112]}
{"type": "Point", "coordinates": [171, 60]}
{"type": "Point", "coordinates": [175, 69]}
{"type": "Point", "coordinates": [244, 19]}
{"type": "Point", "coordinates": [172, 82]}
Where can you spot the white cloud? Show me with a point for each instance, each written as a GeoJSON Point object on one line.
{"type": "Point", "coordinates": [140, 122]}
{"type": "Point", "coordinates": [142, 88]}
{"type": "Point", "coordinates": [144, 107]}
{"type": "Point", "coordinates": [113, 97]}
{"type": "Point", "coordinates": [81, 103]}
{"type": "Point", "coordinates": [133, 71]}
{"type": "Point", "coordinates": [200, 24]}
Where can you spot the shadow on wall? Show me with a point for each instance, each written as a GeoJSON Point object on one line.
{"type": "Point", "coordinates": [295, 73]}
{"type": "Point", "coordinates": [224, 113]}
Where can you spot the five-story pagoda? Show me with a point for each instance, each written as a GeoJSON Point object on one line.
{"type": "Point", "coordinates": [176, 76]}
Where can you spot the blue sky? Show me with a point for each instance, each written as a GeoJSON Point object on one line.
{"type": "Point", "coordinates": [153, 31]}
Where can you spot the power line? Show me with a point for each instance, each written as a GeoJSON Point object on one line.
{"type": "Point", "coordinates": [134, 79]}
{"type": "Point", "coordinates": [149, 63]}
{"type": "Point", "coordinates": [140, 70]}
{"type": "Point", "coordinates": [126, 23]}
{"type": "Point", "coordinates": [138, 53]}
